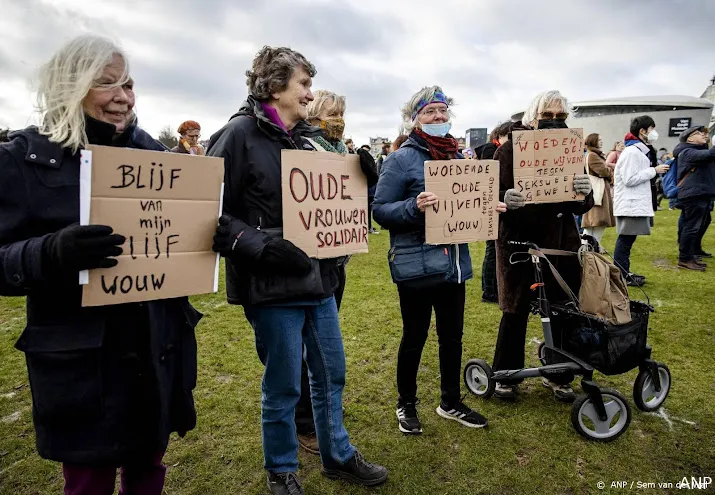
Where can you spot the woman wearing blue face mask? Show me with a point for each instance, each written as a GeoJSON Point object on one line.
{"type": "Point", "coordinates": [427, 277]}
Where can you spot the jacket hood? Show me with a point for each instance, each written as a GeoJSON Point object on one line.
{"type": "Point", "coordinates": [687, 146]}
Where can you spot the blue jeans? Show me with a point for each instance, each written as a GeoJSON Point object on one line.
{"type": "Point", "coordinates": [282, 332]}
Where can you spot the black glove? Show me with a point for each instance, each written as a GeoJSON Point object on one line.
{"type": "Point", "coordinates": [227, 235]}
{"type": "Point", "coordinates": [81, 247]}
{"type": "Point", "coordinates": [368, 166]}
{"type": "Point", "coordinates": [282, 256]}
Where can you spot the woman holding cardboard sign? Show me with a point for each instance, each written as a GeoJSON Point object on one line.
{"type": "Point", "coordinates": [427, 276]}
{"type": "Point", "coordinates": [287, 297]}
{"type": "Point", "coordinates": [548, 225]}
{"type": "Point", "coordinates": [109, 384]}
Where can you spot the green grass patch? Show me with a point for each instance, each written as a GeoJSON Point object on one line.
{"type": "Point", "coordinates": [528, 448]}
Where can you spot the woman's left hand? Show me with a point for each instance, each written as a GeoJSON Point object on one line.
{"type": "Point", "coordinates": [501, 207]}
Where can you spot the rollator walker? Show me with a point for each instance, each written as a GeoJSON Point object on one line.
{"type": "Point", "coordinates": [580, 343]}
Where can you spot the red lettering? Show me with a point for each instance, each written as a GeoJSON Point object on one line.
{"type": "Point", "coordinates": [293, 172]}
{"type": "Point", "coordinates": [306, 225]}
{"type": "Point", "coordinates": [343, 186]}
{"type": "Point", "coordinates": [332, 183]}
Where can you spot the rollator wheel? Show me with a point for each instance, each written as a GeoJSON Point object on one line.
{"type": "Point", "coordinates": [478, 378]}
{"type": "Point", "coordinates": [586, 422]}
{"type": "Point", "coordinates": [541, 352]}
{"type": "Point", "coordinates": [646, 397]}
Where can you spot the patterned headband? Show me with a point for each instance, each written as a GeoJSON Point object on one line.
{"type": "Point", "coordinates": [438, 97]}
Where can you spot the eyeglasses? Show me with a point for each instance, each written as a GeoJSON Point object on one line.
{"type": "Point", "coordinates": [193, 135]}
{"type": "Point", "coordinates": [431, 112]}
{"type": "Point", "coordinates": [551, 115]}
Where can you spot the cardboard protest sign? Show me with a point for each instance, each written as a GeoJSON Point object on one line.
{"type": "Point", "coordinates": [468, 192]}
{"type": "Point", "coordinates": [167, 206]}
{"type": "Point", "coordinates": [545, 162]}
{"type": "Point", "coordinates": [324, 203]}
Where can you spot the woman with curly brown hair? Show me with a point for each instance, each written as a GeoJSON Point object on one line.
{"type": "Point", "coordinates": [288, 298]}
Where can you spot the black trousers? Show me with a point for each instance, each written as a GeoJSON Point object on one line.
{"type": "Point", "coordinates": [695, 220]}
{"type": "Point", "coordinates": [416, 306]}
{"type": "Point", "coordinates": [511, 343]}
{"type": "Point", "coordinates": [304, 422]}
{"type": "Point", "coordinates": [622, 252]}
{"type": "Point", "coordinates": [489, 270]}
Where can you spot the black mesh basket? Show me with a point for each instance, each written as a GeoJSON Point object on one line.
{"type": "Point", "coordinates": [611, 349]}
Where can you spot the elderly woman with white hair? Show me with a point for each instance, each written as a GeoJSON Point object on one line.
{"type": "Point", "coordinates": [427, 277]}
{"type": "Point", "coordinates": [109, 384]}
{"type": "Point", "coordinates": [548, 225]}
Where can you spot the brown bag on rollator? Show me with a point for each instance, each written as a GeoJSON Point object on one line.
{"type": "Point", "coordinates": [603, 290]}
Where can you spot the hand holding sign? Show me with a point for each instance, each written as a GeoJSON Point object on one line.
{"type": "Point", "coordinates": [81, 247]}
{"type": "Point", "coordinates": [425, 199]}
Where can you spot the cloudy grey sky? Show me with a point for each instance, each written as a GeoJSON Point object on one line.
{"type": "Point", "coordinates": [188, 57]}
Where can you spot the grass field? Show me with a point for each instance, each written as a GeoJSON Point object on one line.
{"type": "Point", "coordinates": [528, 448]}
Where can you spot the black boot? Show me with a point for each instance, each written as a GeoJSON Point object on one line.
{"type": "Point", "coordinates": [284, 484]}
{"type": "Point", "coordinates": [357, 470]}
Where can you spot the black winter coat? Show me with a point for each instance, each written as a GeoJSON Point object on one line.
{"type": "Point", "coordinates": [109, 384]}
{"type": "Point", "coordinates": [486, 151]}
{"type": "Point", "coordinates": [548, 225]}
{"type": "Point", "coordinates": [251, 145]}
{"type": "Point", "coordinates": [696, 170]}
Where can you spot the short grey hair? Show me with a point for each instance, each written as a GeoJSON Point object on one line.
{"type": "Point", "coordinates": [272, 69]}
{"type": "Point", "coordinates": [64, 82]}
{"type": "Point", "coordinates": [542, 101]}
{"type": "Point", "coordinates": [325, 102]}
{"type": "Point", "coordinates": [425, 94]}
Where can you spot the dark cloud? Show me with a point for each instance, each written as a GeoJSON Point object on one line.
{"type": "Point", "coordinates": [191, 57]}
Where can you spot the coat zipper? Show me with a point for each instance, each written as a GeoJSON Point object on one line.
{"type": "Point", "coordinates": [459, 268]}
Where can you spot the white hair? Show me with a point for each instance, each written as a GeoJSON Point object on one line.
{"type": "Point", "coordinates": [542, 101]}
{"type": "Point", "coordinates": [425, 94]}
{"type": "Point", "coordinates": [65, 80]}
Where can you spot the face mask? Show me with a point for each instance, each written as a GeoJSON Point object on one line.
{"type": "Point", "coordinates": [552, 124]}
{"type": "Point", "coordinates": [333, 128]}
{"type": "Point", "coordinates": [652, 136]}
{"type": "Point", "coordinates": [437, 130]}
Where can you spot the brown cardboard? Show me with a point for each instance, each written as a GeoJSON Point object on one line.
{"type": "Point", "coordinates": [324, 203]}
{"type": "Point", "coordinates": [545, 162]}
{"type": "Point", "coordinates": [167, 206]}
{"type": "Point", "coordinates": [468, 192]}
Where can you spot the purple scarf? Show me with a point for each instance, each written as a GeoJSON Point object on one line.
{"type": "Point", "coordinates": [273, 116]}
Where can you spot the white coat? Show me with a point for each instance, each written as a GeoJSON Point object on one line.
{"type": "Point", "coordinates": [631, 192]}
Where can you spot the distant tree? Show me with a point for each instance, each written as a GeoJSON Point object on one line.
{"type": "Point", "coordinates": [167, 137]}
{"type": "Point", "coordinates": [3, 135]}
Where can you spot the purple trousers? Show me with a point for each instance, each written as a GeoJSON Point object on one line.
{"type": "Point", "coordinates": [142, 478]}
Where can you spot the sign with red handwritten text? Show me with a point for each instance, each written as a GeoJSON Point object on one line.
{"type": "Point", "coordinates": [545, 162]}
{"type": "Point", "coordinates": [324, 203]}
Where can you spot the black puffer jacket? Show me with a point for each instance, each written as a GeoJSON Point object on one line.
{"type": "Point", "coordinates": [110, 383]}
{"type": "Point", "coordinates": [251, 145]}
